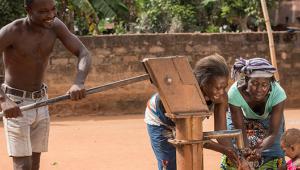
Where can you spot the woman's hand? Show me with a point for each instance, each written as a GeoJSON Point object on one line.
{"type": "Point", "coordinates": [254, 155]}
{"type": "Point", "coordinates": [244, 165]}
{"type": "Point", "coordinates": [240, 162]}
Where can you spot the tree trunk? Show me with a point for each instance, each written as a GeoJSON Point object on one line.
{"type": "Point", "coordinates": [243, 23]}
{"type": "Point", "coordinates": [132, 10]}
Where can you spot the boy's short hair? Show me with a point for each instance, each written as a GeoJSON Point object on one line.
{"type": "Point", "coordinates": [291, 137]}
{"type": "Point", "coordinates": [27, 2]}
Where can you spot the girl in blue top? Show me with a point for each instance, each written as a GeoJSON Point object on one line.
{"type": "Point", "coordinates": [256, 103]}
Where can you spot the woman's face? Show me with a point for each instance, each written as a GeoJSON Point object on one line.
{"type": "Point", "coordinates": [216, 88]}
{"type": "Point", "coordinates": [258, 88]}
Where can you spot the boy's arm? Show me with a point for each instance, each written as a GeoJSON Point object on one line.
{"type": "Point", "coordinates": [75, 46]}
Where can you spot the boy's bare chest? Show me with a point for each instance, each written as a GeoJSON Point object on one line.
{"type": "Point", "coordinates": [34, 45]}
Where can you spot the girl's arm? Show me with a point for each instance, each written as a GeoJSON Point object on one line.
{"type": "Point", "coordinates": [220, 110]}
{"type": "Point", "coordinates": [224, 144]}
{"type": "Point", "coordinates": [228, 151]}
{"type": "Point", "coordinates": [240, 162]}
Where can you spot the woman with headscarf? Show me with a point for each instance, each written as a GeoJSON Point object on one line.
{"type": "Point", "coordinates": [212, 75]}
{"type": "Point", "coordinates": [256, 103]}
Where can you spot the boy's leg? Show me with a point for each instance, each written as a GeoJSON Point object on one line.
{"type": "Point", "coordinates": [27, 162]}
{"type": "Point", "coordinates": [35, 161]}
{"type": "Point", "coordinates": [22, 163]}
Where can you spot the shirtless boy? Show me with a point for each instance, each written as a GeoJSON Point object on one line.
{"type": "Point", "coordinates": [26, 44]}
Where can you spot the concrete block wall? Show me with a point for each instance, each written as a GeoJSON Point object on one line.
{"type": "Point", "coordinates": [119, 57]}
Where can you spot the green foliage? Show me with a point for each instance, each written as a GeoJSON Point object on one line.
{"type": "Point", "coordinates": [89, 17]}
{"type": "Point", "coordinates": [185, 13]}
{"type": "Point", "coordinates": [157, 15]}
{"type": "Point", "coordinates": [200, 15]}
{"type": "Point", "coordinates": [243, 13]}
{"type": "Point", "coordinates": [96, 11]}
{"type": "Point", "coordinates": [120, 28]}
{"type": "Point", "coordinates": [139, 4]}
{"type": "Point", "coordinates": [212, 29]}
{"type": "Point", "coordinates": [110, 8]}
{"type": "Point", "coordinates": [208, 3]}
{"type": "Point", "coordinates": [10, 10]}
{"type": "Point", "coordinates": [81, 25]}
{"type": "Point", "coordinates": [85, 6]}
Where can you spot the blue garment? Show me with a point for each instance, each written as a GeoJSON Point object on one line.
{"type": "Point", "coordinates": [159, 129]}
{"type": "Point", "coordinates": [160, 112]}
{"type": "Point", "coordinates": [163, 150]}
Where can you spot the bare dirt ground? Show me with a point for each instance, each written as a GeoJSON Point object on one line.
{"type": "Point", "coordinates": [108, 143]}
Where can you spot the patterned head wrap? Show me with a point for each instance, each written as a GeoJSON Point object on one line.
{"type": "Point", "coordinates": [255, 67]}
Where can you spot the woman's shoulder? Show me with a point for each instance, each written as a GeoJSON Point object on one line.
{"type": "Point", "coordinates": [277, 89]}
{"type": "Point", "coordinates": [276, 85]}
{"type": "Point", "coordinates": [277, 94]}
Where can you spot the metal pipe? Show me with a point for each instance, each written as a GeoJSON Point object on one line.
{"type": "Point", "coordinates": [97, 89]}
{"type": "Point", "coordinates": [236, 133]}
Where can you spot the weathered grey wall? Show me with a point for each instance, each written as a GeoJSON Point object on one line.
{"type": "Point", "coordinates": [118, 57]}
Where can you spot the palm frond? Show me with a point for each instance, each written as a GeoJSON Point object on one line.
{"type": "Point", "coordinates": [104, 7]}
{"type": "Point", "coordinates": [85, 6]}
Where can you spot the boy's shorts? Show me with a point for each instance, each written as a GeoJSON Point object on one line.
{"type": "Point", "coordinates": [30, 132]}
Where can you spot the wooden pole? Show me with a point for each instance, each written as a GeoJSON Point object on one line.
{"type": "Point", "coordinates": [189, 157]}
{"type": "Point", "coordinates": [93, 90]}
{"type": "Point", "coordinates": [184, 157]}
{"type": "Point", "coordinates": [270, 37]}
{"type": "Point", "coordinates": [197, 134]}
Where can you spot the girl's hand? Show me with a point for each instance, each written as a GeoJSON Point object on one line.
{"type": "Point", "coordinates": [232, 155]}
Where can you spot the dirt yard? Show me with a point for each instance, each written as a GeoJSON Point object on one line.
{"type": "Point", "coordinates": [114, 143]}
